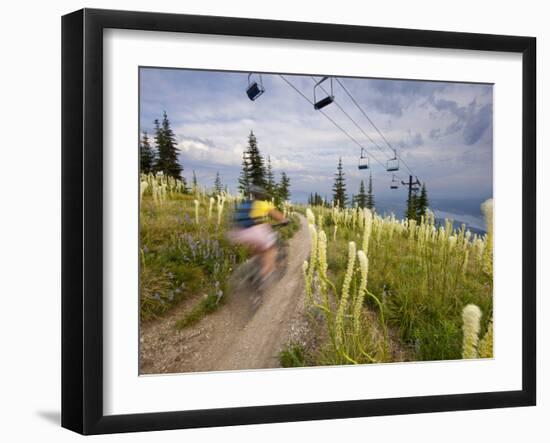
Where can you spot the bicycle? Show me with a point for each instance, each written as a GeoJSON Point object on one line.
{"type": "Point", "coordinates": [250, 274]}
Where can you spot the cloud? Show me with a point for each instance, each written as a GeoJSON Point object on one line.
{"type": "Point", "coordinates": [196, 149]}
{"type": "Point", "coordinates": [471, 121]}
{"type": "Point", "coordinates": [477, 123]}
{"type": "Point", "coordinates": [410, 140]}
{"type": "Point", "coordinates": [443, 131]}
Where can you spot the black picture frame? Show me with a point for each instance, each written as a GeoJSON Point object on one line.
{"type": "Point", "coordinates": [82, 218]}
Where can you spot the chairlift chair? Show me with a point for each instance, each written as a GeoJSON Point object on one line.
{"type": "Point", "coordinates": [254, 88]}
{"type": "Point", "coordinates": [393, 163]}
{"type": "Point", "coordinates": [363, 160]}
{"type": "Point", "coordinates": [394, 183]}
{"type": "Point", "coordinates": [325, 101]}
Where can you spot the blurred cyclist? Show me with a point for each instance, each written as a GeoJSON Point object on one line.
{"type": "Point", "coordinates": [251, 218]}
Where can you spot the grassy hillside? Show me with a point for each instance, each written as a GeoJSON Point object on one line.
{"type": "Point", "coordinates": [184, 248]}
{"type": "Point", "coordinates": [380, 285]}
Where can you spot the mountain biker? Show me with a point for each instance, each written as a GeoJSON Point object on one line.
{"type": "Point", "coordinates": [251, 218]}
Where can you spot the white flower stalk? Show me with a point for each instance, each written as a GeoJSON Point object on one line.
{"type": "Point", "coordinates": [486, 343]}
{"type": "Point", "coordinates": [412, 228]}
{"type": "Point", "coordinates": [487, 210]}
{"type": "Point", "coordinates": [196, 211]}
{"type": "Point", "coordinates": [320, 220]}
{"type": "Point", "coordinates": [142, 189]}
{"type": "Point", "coordinates": [452, 242]}
{"type": "Point", "coordinates": [335, 230]}
{"type": "Point", "coordinates": [479, 245]}
{"type": "Point", "coordinates": [322, 255]}
{"type": "Point", "coordinates": [342, 308]}
{"type": "Point", "coordinates": [313, 254]}
{"type": "Point", "coordinates": [210, 208]}
{"type": "Point", "coordinates": [310, 217]}
{"type": "Point", "coordinates": [367, 214]}
{"type": "Point", "coordinates": [357, 309]}
{"type": "Point", "coordinates": [471, 317]}
{"type": "Point", "coordinates": [465, 262]}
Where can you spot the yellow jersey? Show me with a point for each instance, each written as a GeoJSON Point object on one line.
{"type": "Point", "coordinates": [260, 209]}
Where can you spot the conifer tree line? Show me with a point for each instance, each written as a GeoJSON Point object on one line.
{"type": "Point", "coordinates": [416, 204]}
{"type": "Point", "coordinates": [315, 199]}
{"type": "Point", "coordinates": [163, 156]}
{"type": "Point", "coordinates": [255, 170]}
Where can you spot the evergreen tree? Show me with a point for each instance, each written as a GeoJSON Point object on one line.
{"type": "Point", "coordinates": [218, 187]}
{"type": "Point", "coordinates": [410, 212]}
{"type": "Point", "coordinates": [195, 183]}
{"type": "Point", "coordinates": [168, 151]}
{"type": "Point", "coordinates": [422, 203]}
{"type": "Point", "coordinates": [146, 155]}
{"type": "Point", "coordinates": [244, 179]}
{"type": "Point", "coordinates": [159, 139]}
{"type": "Point", "coordinates": [270, 185]}
{"type": "Point", "coordinates": [370, 196]}
{"type": "Point", "coordinates": [339, 188]}
{"type": "Point", "coordinates": [315, 200]}
{"type": "Point", "coordinates": [256, 165]}
{"type": "Point", "coordinates": [361, 198]}
{"type": "Point", "coordinates": [283, 190]}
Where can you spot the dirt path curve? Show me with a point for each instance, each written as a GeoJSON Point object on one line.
{"type": "Point", "coordinates": [236, 336]}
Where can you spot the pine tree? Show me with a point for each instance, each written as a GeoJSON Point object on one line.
{"type": "Point", "coordinates": [218, 187]}
{"type": "Point", "coordinates": [410, 212]}
{"type": "Point", "coordinates": [361, 197]}
{"type": "Point", "coordinates": [422, 203]}
{"type": "Point", "coordinates": [146, 155]}
{"type": "Point", "coordinates": [315, 200]}
{"type": "Point", "coordinates": [244, 178]}
{"type": "Point", "coordinates": [168, 151]}
{"type": "Point", "coordinates": [339, 188]}
{"type": "Point", "coordinates": [195, 183]}
{"type": "Point", "coordinates": [256, 165]}
{"type": "Point", "coordinates": [283, 189]}
{"type": "Point", "coordinates": [370, 196]}
{"type": "Point", "coordinates": [159, 140]}
{"type": "Point", "coordinates": [270, 185]}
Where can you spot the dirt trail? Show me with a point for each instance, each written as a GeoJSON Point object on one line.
{"type": "Point", "coordinates": [236, 336]}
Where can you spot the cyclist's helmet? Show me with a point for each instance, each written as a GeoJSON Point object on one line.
{"type": "Point", "coordinates": [257, 192]}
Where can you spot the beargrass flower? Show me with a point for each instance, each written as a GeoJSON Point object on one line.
{"type": "Point", "coordinates": [471, 317]}
{"type": "Point", "coordinates": [310, 216]}
{"type": "Point", "coordinates": [486, 343]}
{"type": "Point", "coordinates": [487, 210]}
{"type": "Point", "coordinates": [342, 308]}
{"type": "Point", "coordinates": [364, 268]}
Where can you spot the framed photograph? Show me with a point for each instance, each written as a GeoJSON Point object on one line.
{"type": "Point", "coordinates": [269, 221]}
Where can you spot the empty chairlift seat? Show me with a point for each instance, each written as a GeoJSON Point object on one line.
{"type": "Point", "coordinates": [363, 160]}
{"type": "Point", "coordinates": [254, 88]}
{"type": "Point", "coordinates": [393, 163]}
{"type": "Point", "coordinates": [325, 100]}
{"type": "Point", "coordinates": [394, 183]}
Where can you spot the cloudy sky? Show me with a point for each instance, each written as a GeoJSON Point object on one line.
{"type": "Point", "coordinates": [442, 131]}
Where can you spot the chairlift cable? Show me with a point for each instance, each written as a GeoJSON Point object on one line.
{"type": "Point", "coordinates": [373, 125]}
{"type": "Point", "coordinates": [354, 122]}
{"type": "Point", "coordinates": [333, 122]}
